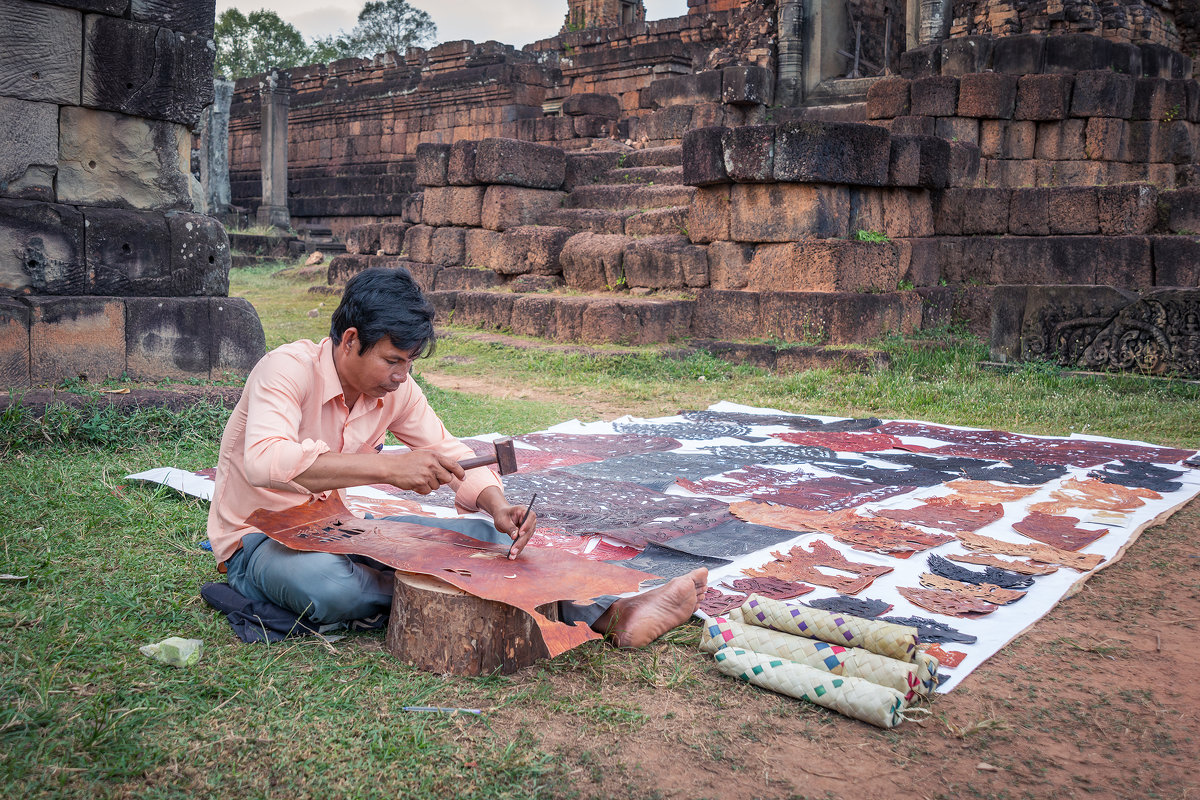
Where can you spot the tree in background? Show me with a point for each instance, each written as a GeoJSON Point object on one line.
{"type": "Point", "coordinates": [383, 25]}
{"type": "Point", "coordinates": [257, 43]}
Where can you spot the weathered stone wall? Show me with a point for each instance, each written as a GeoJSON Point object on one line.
{"type": "Point", "coordinates": [1137, 21]}
{"type": "Point", "coordinates": [583, 14]}
{"type": "Point", "coordinates": [103, 269]}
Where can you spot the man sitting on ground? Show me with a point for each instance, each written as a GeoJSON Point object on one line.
{"type": "Point", "coordinates": [312, 420]}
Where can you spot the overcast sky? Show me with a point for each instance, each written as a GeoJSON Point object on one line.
{"type": "Point", "coordinates": [515, 22]}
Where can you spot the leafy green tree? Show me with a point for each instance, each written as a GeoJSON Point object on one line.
{"type": "Point", "coordinates": [261, 41]}
{"type": "Point", "coordinates": [383, 25]}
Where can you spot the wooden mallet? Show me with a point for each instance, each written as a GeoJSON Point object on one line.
{"type": "Point", "coordinates": [505, 458]}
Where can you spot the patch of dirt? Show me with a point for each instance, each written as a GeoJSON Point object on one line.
{"type": "Point", "coordinates": [596, 407]}
{"type": "Point", "coordinates": [1099, 699]}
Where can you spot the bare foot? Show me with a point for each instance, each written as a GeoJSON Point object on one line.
{"type": "Point", "coordinates": [639, 620]}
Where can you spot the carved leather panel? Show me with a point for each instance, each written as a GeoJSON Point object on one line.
{"type": "Point", "coordinates": [480, 569]}
{"type": "Point", "coordinates": [1043, 553]}
{"type": "Point", "coordinates": [799, 564]}
{"type": "Point", "coordinates": [946, 513]}
{"type": "Point", "coordinates": [1057, 531]}
{"type": "Point", "coordinates": [862, 533]}
{"type": "Point", "coordinates": [1094, 494]}
{"type": "Point", "coordinates": [940, 601]}
{"type": "Point", "coordinates": [987, 592]}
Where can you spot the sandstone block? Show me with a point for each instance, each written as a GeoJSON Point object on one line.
{"type": "Point", "coordinates": [510, 206]}
{"type": "Point", "coordinates": [145, 71]}
{"type": "Point", "coordinates": [453, 205]}
{"type": "Point", "coordinates": [70, 337]}
{"type": "Point", "coordinates": [866, 209]}
{"type": "Point", "coordinates": [411, 208]}
{"type": "Point", "coordinates": [128, 252]}
{"type": "Point", "coordinates": [922, 61]}
{"type": "Point", "coordinates": [533, 315]}
{"type": "Point", "coordinates": [531, 249]}
{"type": "Point", "coordinates": [184, 16]}
{"type": "Point", "coordinates": [1007, 138]}
{"type": "Point", "coordinates": [40, 51]}
{"type": "Point", "coordinates": [28, 149]}
{"type": "Point", "coordinates": [489, 310]}
{"type": "Point", "coordinates": [432, 164]}
{"type": "Point", "coordinates": [703, 156]}
{"type": "Point", "coordinates": [912, 126]}
{"type": "Point", "coordinates": [1064, 140]}
{"type": "Point", "coordinates": [460, 167]}
{"type": "Point", "coordinates": [343, 267]}
{"type": "Point", "coordinates": [966, 55]}
{"type": "Point", "coordinates": [14, 344]}
{"type": "Point", "coordinates": [1018, 173]}
{"type": "Point", "coordinates": [108, 159]}
{"type": "Point", "coordinates": [592, 262]}
{"type": "Point", "coordinates": [586, 168]}
{"type": "Point", "coordinates": [1104, 139]}
{"type": "Point", "coordinates": [168, 337]}
{"type": "Point", "coordinates": [1043, 97]}
{"type": "Point", "coordinates": [200, 256]}
{"type": "Point", "coordinates": [964, 163]}
{"type": "Point", "coordinates": [391, 237]}
{"type": "Point", "coordinates": [591, 126]}
{"type": "Point", "coordinates": [668, 124]}
{"type": "Point", "coordinates": [447, 247]}
{"type": "Point", "coordinates": [41, 248]}
{"type": "Point", "coordinates": [1160, 99]}
{"type": "Point", "coordinates": [1029, 212]}
{"type": "Point", "coordinates": [889, 98]}
{"type": "Point", "coordinates": [480, 247]}
{"type": "Point", "coordinates": [1176, 260]}
{"type": "Point", "coordinates": [635, 322]}
{"type": "Point", "coordinates": [1159, 61]}
{"type": "Point", "coordinates": [1073, 173]}
{"type": "Point", "coordinates": [1022, 54]}
{"type": "Point", "coordinates": [601, 105]}
{"type": "Point", "coordinates": [237, 339]}
{"type": "Point", "coordinates": [919, 161]}
{"type": "Point", "coordinates": [701, 87]}
{"type": "Point", "coordinates": [424, 274]}
{"type": "Point", "coordinates": [907, 213]}
{"type": "Point", "coordinates": [417, 243]}
{"type": "Point", "coordinates": [831, 265]}
{"type": "Point", "coordinates": [726, 315]}
{"type": "Point", "coordinates": [987, 95]}
{"type": "Point", "coordinates": [469, 279]}
{"type": "Point", "coordinates": [1127, 208]}
{"type": "Point", "coordinates": [935, 96]}
{"type": "Point", "coordinates": [747, 86]}
{"type": "Point", "coordinates": [919, 263]}
{"type": "Point", "coordinates": [749, 153]}
{"type": "Point", "coordinates": [1073, 210]}
{"type": "Point", "coordinates": [729, 265]}
{"type": "Point", "coordinates": [363, 239]}
{"type": "Point", "coordinates": [519, 163]}
{"type": "Point", "coordinates": [708, 214]}
{"type": "Point", "coordinates": [985, 210]}
{"type": "Point", "coordinates": [568, 317]}
{"type": "Point", "coordinates": [838, 317]}
{"type": "Point", "coordinates": [665, 262]}
{"type": "Point", "coordinates": [1182, 210]}
{"type": "Point", "coordinates": [785, 212]}
{"type": "Point", "coordinates": [1102, 93]}
{"type": "Point", "coordinates": [832, 152]}
{"type": "Point", "coordinates": [957, 129]}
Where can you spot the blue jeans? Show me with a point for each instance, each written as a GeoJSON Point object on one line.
{"type": "Point", "coordinates": [328, 588]}
{"type": "Point", "coordinates": [322, 587]}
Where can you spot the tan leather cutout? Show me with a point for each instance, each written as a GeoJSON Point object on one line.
{"type": "Point", "coordinates": [862, 533]}
{"type": "Point", "coordinates": [975, 492]}
{"type": "Point", "coordinates": [947, 513]}
{"type": "Point", "coordinates": [1021, 567]}
{"type": "Point", "coordinates": [1093, 494]}
{"type": "Point", "coordinates": [1038, 552]}
{"type": "Point", "coordinates": [988, 592]}
{"type": "Point", "coordinates": [940, 601]}
{"type": "Point", "coordinates": [1057, 531]}
{"type": "Point", "coordinates": [478, 568]}
{"type": "Point", "coordinates": [799, 564]}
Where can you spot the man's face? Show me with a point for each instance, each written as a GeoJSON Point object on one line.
{"type": "Point", "coordinates": [381, 369]}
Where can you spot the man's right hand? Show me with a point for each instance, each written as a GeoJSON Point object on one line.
{"type": "Point", "coordinates": [420, 471]}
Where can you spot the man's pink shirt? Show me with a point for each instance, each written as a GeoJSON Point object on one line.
{"type": "Point", "coordinates": [291, 411]}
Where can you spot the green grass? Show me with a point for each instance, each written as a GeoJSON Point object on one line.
{"type": "Point", "coordinates": [109, 566]}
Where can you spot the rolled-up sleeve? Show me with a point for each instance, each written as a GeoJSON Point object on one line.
{"type": "Point", "coordinates": [274, 452]}
{"type": "Point", "coordinates": [417, 425]}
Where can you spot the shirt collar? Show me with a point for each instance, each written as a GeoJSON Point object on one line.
{"type": "Point", "coordinates": [331, 384]}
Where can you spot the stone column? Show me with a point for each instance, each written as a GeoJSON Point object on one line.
{"type": "Point", "coordinates": [214, 147]}
{"type": "Point", "coordinates": [928, 21]}
{"type": "Point", "coordinates": [789, 83]}
{"type": "Point", "coordinates": [275, 93]}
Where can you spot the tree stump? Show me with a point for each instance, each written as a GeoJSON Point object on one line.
{"type": "Point", "coordinates": [439, 628]}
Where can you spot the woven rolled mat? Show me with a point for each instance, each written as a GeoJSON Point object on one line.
{"type": "Point", "coordinates": [853, 697]}
{"type": "Point", "coordinates": [884, 638]}
{"type": "Point", "coordinates": [909, 679]}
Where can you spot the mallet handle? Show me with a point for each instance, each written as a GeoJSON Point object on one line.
{"type": "Point", "coordinates": [477, 461]}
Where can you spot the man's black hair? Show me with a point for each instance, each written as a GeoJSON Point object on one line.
{"type": "Point", "coordinates": [381, 302]}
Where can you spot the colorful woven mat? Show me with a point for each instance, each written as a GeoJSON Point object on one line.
{"type": "Point", "coordinates": [884, 638]}
{"type": "Point", "coordinates": [910, 679]}
{"type": "Point", "coordinates": [853, 697]}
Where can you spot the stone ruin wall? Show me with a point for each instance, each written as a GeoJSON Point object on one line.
{"type": "Point", "coordinates": [1138, 22]}
{"type": "Point", "coordinates": [354, 125]}
{"type": "Point", "coordinates": [104, 270]}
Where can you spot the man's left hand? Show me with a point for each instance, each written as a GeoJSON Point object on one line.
{"type": "Point", "coordinates": [508, 517]}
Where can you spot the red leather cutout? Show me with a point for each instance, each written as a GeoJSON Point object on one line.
{"type": "Point", "coordinates": [1057, 531]}
{"type": "Point", "coordinates": [799, 564]}
{"type": "Point", "coordinates": [479, 568]}
{"type": "Point", "coordinates": [773, 588]}
{"type": "Point", "coordinates": [862, 533]}
{"type": "Point", "coordinates": [947, 513]}
{"type": "Point", "coordinates": [716, 602]}
{"type": "Point", "coordinates": [841, 441]}
{"type": "Point", "coordinates": [946, 658]}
